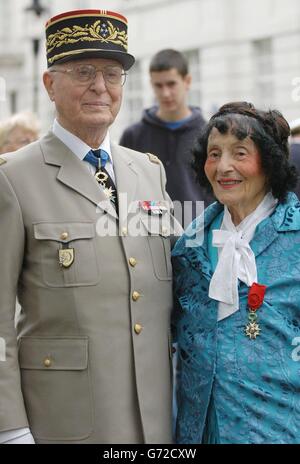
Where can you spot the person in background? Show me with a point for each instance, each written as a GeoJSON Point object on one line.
{"type": "Point", "coordinates": [169, 129]}
{"type": "Point", "coordinates": [90, 361]}
{"type": "Point", "coordinates": [17, 131]}
{"type": "Point", "coordinates": [237, 279]}
{"type": "Point", "coordinates": [295, 150]}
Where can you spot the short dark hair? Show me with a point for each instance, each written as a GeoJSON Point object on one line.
{"type": "Point", "coordinates": [269, 130]}
{"type": "Point", "coordinates": [168, 59]}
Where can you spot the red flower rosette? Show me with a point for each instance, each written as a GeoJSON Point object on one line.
{"type": "Point", "coordinates": [256, 296]}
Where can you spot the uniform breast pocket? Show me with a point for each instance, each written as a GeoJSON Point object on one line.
{"type": "Point", "coordinates": [158, 238]}
{"type": "Point", "coordinates": [67, 253]}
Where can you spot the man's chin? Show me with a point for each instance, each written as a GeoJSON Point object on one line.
{"type": "Point", "coordinates": [169, 107]}
{"type": "Point", "coordinates": [97, 119]}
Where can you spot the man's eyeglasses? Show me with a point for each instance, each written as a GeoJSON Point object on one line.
{"type": "Point", "coordinates": [86, 73]}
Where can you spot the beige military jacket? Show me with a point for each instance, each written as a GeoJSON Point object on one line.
{"type": "Point", "coordinates": [91, 359]}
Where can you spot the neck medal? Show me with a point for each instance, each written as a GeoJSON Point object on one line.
{"type": "Point", "coordinates": [102, 178]}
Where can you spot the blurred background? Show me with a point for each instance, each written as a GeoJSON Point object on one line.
{"type": "Point", "coordinates": [237, 50]}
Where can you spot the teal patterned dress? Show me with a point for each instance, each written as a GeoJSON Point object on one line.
{"type": "Point", "coordinates": [231, 389]}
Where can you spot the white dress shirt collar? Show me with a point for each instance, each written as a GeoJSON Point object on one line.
{"type": "Point", "coordinates": [75, 144]}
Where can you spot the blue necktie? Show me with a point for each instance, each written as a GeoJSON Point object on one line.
{"type": "Point", "coordinates": [98, 158]}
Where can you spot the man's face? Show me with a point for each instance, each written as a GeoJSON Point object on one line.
{"type": "Point", "coordinates": [170, 89]}
{"type": "Point", "coordinates": [84, 106]}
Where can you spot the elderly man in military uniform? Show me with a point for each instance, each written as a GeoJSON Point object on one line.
{"type": "Point", "coordinates": [90, 360]}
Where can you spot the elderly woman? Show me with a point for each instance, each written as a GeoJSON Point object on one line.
{"type": "Point", "coordinates": [237, 280]}
{"type": "Point", "coordinates": [17, 131]}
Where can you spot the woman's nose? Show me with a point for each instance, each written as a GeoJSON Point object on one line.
{"type": "Point", "coordinates": [225, 163]}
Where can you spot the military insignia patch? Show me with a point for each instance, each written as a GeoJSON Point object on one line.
{"type": "Point", "coordinates": [153, 207]}
{"type": "Point", "coordinates": [153, 158]}
{"type": "Point", "coordinates": [66, 257]}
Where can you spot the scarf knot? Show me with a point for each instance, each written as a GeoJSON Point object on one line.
{"type": "Point", "coordinates": [236, 260]}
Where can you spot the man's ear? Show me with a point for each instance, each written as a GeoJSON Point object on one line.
{"type": "Point", "coordinates": [188, 80]}
{"type": "Point", "coordinates": [48, 80]}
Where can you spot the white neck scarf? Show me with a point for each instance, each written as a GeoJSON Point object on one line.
{"type": "Point", "coordinates": [236, 260]}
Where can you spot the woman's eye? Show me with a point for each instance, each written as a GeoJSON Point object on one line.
{"type": "Point", "coordinates": [213, 155]}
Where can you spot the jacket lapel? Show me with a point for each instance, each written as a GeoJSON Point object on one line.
{"type": "Point", "coordinates": [265, 234]}
{"type": "Point", "coordinates": [285, 218]}
{"type": "Point", "coordinates": [73, 173]}
{"type": "Point", "coordinates": [126, 180]}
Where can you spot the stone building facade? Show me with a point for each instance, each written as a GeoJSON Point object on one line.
{"type": "Point", "coordinates": [237, 49]}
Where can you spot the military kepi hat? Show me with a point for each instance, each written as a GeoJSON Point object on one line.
{"type": "Point", "coordinates": [87, 34]}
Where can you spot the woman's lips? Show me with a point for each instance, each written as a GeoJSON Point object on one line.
{"type": "Point", "coordinates": [228, 183]}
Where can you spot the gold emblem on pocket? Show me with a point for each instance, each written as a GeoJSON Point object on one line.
{"type": "Point", "coordinates": [66, 257]}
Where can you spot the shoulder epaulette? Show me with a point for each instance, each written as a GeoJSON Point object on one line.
{"type": "Point", "coordinates": [153, 158]}
{"type": "Point", "coordinates": [2, 161]}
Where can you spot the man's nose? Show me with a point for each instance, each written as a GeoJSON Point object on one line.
{"type": "Point", "coordinates": [165, 91]}
{"type": "Point", "coordinates": [98, 84]}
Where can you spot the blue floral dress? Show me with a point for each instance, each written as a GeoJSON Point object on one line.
{"type": "Point", "coordinates": [232, 389]}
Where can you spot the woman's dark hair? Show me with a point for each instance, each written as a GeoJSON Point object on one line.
{"type": "Point", "coordinates": [269, 131]}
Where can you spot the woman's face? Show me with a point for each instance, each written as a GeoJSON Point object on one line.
{"type": "Point", "coordinates": [17, 138]}
{"type": "Point", "coordinates": [233, 167]}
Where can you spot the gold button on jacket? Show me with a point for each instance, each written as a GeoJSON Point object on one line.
{"type": "Point", "coordinates": [138, 328]}
{"type": "Point", "coordinates": [47, 362]}
{"type": "Point", "coordinates": [132, 262]}
{"type": "Point", "coordinates": [64, 236]}
{"type": "Point", "coordinates": [135, 295]}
